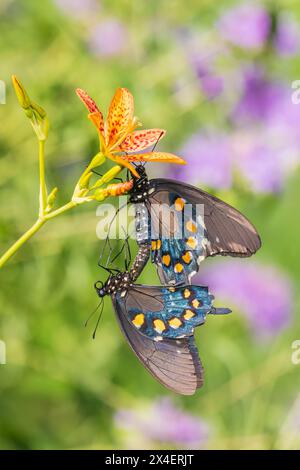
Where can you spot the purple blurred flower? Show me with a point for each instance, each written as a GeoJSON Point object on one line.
{"type": "Point", "coordinates": [108, 38]}
{"type": "Point", "coordinates": [287, 39]}
{"type": "Point", "coordinates": [262, 293]}
{"type": "Point", "coordinates": [165, 424]}
{"type": "Point", "coordinates": [260, 165]}
{"type": "Point", "coordinates": [260, 96]}
{"type": "Point", "coordinates": [269, 150]}
{"type": "Point", "coordinates": [265, 157]}
{"type": "Point", "coordinates": [209, 161]}
{"type": "Point", "coordinates": [211, 83]}
{"type": "Point", "coordinates": [247, 25]}
{"type": "Point", "coordinates": [77, 8]}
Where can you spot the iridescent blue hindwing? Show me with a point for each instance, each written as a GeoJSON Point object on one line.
{"type": "Point", "coordinates": [178, 241]}
{"type": "Point", "coordinates": [172, 313]}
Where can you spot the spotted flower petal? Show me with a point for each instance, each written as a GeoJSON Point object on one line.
{"type": "Point", "coordinates": [141, 140]}
{"type": "Point", "coordinates": [95, 114]}
{"type": "Point", "coordinates": [163, 157]}
{"type": "Point", "coordinates": [87, 100]}
{"type": "Point", "coordinates": [120, 116]}
{"type": "Point", "coordinates": [97, 119]}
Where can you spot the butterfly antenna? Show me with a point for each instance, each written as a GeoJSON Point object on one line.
{"type": "Point", "coordinates": [114, 217]}
{"type": "Point", "coordinates": [102, 252]}
{"type": "Point", "coordinates": [154, 146]}
{"type": "Point", "coordinates": [93, 313]}
{"type": "Point", "coordinates": [158, 139]}
{"type": "Point", "coordinates": [102, 266]}
{"type": "Point", "coordinates": [128, 256]}
{"type": "Point", "coordinates": [107, 240]}
{"type": "Point", "coordinates": [101, 175]}
{"type": "Point", "coordinates": [99, 318]}
{"type": "Point", "coordinates": [96, 173]}
{"type": "Point", "coordinates": [118, 253]}
{"type": "Point", "coordinates": [109, 253]}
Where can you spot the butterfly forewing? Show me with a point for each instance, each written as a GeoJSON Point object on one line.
{"type": "Point", "coordinates": [212, 227]}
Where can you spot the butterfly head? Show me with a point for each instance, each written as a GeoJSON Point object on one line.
{"type": "Point", "coordinates": [115, 283]}
{"type": "Point", "coordinates": [100, 289]}
{"type": "Point", "coordinates": [139, 190]}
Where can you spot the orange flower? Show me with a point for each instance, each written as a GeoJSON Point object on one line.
{"type": "Point", "coordinates": [118, 135]}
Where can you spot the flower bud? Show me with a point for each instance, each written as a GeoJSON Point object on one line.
{"type": "Point", "coordinates": [97, 160]}
{"type": "Point", "coordinates": [51, 199]}
{"type": "Point", "coordinates": [36, 114]}
{"type": "Point", "coordinates": [108, 176]}
{"type": "Point", "coordinates": [21, 94]}
{"type": "Point", "coordinates": [84, 180]}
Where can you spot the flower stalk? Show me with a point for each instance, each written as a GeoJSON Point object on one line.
{"type": "Point", "coordinates": [82, 193]}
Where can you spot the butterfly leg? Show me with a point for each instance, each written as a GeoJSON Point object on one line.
{"type": "Point", "coordinates": [101, 175]}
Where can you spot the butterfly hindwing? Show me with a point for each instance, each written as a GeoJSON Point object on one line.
{"type": "Point", "coordinates": [173, 312]}
{"type": "Point", "coordinates": [174, 363]}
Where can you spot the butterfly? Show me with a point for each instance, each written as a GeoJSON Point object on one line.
{"type": "Point", "coordinates": [158, 322]}
{"type": "Point", "coordinates": [182, 225]}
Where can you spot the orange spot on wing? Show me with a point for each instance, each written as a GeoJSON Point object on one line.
{"type": "Point", "coordinates": [192, 242]}
{"type": "Point", "coordinates": [159, 325]}
{"type": "Point", "coordinates": [166, 259]}
{"type": "Point", "coordinates": [175, 322]}
{"type": "Point", "coordinates": [187, 257]}
{"type": "Point", "coordinates": [178, 268]}
{"type": "Point", "coordinates": [138, 320]}
{"type": "Point", "coordinates": [186, 293]}
{"type": "Point", "coordinates": [196, 303]}
{"type": "Point", "coordinates": [188, 314]}
{"type": "Point", "coordinates": [179, 204]}
{"type": "Point", "coordinates": [191, 226]}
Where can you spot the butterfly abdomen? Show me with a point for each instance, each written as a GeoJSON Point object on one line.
{"type": "Point", "coordinates": [142, 224]}
{"type": "Point", "coordinates": [140, 261]}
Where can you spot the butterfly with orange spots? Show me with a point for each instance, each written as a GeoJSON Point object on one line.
{"type": "Point", "coordinates": [185, 226]}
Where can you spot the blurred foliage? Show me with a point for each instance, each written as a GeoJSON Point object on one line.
{"type": "Point", "coordinates": [60, 389]}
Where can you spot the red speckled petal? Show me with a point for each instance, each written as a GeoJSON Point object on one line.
{"type": "Point", "coordinates": [95, 114]}
{"type": "Point", "coordinates": [162, 157]}
{"type": "Point", "coordinates": [141, 140]}
{"type": "Point", "coordinates": [120, 115]}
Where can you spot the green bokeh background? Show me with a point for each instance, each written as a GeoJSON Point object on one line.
{"type": "Point", "coordinates": [59, 388]}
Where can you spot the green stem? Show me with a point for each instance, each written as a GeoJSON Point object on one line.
{"type": "Point", "coordinates": [43, 189]}
{"type": "Point", "coordinates": [43, 216]}
{"type": "Point", "coordinates": [32, 231]}
{"type": "Point", "coordinates": [61, 210]}
{"type": "Point", "coordinates": [26, 236]}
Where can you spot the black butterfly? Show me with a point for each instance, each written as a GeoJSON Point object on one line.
{"type": "Point", "coordinates": [158, 323]}
{"type": "Point", "coordinates": [180, 225]}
